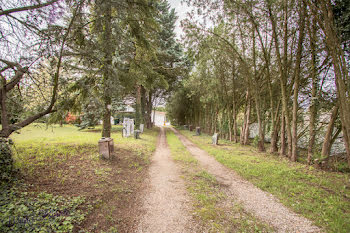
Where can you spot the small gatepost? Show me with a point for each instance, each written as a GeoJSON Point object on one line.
{"type": "Point", "coordinates": [215, 139]}
{"type": "Point", "coordinates": [198, 131]}
{"type": "Point", "coordinates": [106, 147]}
{"type": "Point", "coordinates": [142, 126]}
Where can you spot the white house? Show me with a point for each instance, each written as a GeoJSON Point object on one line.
{"type": "Point", "coordinates": [159, 118]}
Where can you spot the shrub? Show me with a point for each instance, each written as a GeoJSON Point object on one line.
{"type": "Point", "coordinates": [6, 162]}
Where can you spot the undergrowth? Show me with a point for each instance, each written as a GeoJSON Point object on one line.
{"type": "Point", "coordinates": [42, 212]}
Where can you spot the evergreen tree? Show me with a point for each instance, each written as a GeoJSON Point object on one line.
{"type": "Point", "coordinates": [107, 43]}
{"type": "Point", "coordinates": [169, 63]}
{"type": "Point", "coordinates": [341, 9]}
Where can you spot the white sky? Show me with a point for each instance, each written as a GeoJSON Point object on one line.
{"type": "Point", "coordinates": [181, 10]}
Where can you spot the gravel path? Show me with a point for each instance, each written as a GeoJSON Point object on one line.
{"type": "Point", "coordinates": [165, 203]}
{"type": "Point", "coordinates": [262, 204]}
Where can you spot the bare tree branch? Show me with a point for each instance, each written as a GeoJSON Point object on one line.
{"type": "Point", "coordinates": [25, 8]}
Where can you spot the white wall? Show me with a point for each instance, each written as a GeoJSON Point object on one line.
{"type": "Point", "coordinates": [159, 118]}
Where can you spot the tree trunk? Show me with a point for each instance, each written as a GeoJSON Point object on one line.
{"type": "Point", "coordinates": [106, 131]}
{"type": "Point", "coordinates": [275, 128]}
{"type": "Point", "coordinates": [235, 126]}
{"type": "Point", "coordinates": [346, 144]}
{"type": "Point", "coordinates": [274, 136]}
{"type": "Point", "coordinates": [4, 115]}
{"type": "Point", "coordinates": [340, 69]}
{"type": "Point", "coordinates": [138, 114]}
{"type": "Point", "coordinates": [328, 137]}
{"type": "Point", "coordinates": [229, 112]}
{"type": "Point", "coordinates": [282, 67]}
{"type": "Point", "coordinates": [313, 103]}
{"type": "Point", "coordinates": [261, 142]}
{"type": "Point", "coordinates": [216, 120]}
{"type": "Point", "coordinates": [246, 128]}
{"type": "Point", "coordinates": [302, 15]}
{"type": "Point", "coordinates": [283, 136]}
{"type": "Point", "coordinates": [143, 105]}
{"type": "Point", "coordinates": [149, 123]}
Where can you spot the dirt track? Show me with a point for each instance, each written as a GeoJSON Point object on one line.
{"type": "Point", "coordinates": [165, 202]}
{"type": "Point", "coordinates": [261, 204]}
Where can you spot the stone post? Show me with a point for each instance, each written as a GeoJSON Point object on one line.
{"type": "Point", "coordinates": [215, 139]}
{"type": "Point", "coordinates": [198, 131]}
{"type": "Point", "coordinates": [106, 147]}
{"type": "Point", "coordinates": [137, 134]}
{"type": "Point", "coordinates": [142, 127]}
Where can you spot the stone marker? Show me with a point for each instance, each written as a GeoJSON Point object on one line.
{"type": "Point", "coordinates": [132, 126]}
{"type": "Point", "coordinates": [186, 127]}
{"type": "Point", "coordinates": [215, 139]}
{"type": "Point", "coordinates": [198, 131]}
{"type": "Point", "coordinates": [191, 127]}
{"type": "Point", "coordinates": [125, 120]}
{"type": "Point", "coordinates": [128, 129]}
{"type": "Point", "coordinates": [141, 127]}
{"type": "Point", "coordinates": [137, 134]}
{"type": "Point", "coordinates": [106, 147]}
{"type": "Point", "coordinates": [125, 125]}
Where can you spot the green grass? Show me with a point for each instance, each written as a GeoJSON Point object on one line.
{"type": "Point", "coordinates": [208, 196]}
{"type": "Point", "coordinates": [36, 145]}
{"type": "Point", "coordinates": [321, 196]}
{"type": "Point", "coordinates": [42, 152]}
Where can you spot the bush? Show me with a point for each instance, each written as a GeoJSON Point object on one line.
{"type": "Point", "coordinates": [256, 141]}
{"type": "Point", "coordinates": [6, 162]}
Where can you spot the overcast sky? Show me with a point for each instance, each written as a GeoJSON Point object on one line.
{"type": "Point", "coordinates": [181, 10]}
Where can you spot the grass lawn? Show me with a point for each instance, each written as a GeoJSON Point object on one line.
{"type": "Point", "coordinates": [64, 186]}
{"type": "Point", "coordinates": [321, 196]}
{"type": "Point", "coordinates": [211, 206]}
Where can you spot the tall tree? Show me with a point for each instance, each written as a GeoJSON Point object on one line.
{"type": "Point", "coordinates": [110, 41]}
{"type": "Point", "coordinates": [38, 41]}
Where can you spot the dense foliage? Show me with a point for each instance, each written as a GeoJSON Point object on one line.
{"type": "Point", "coordinates": [27, 212]}
{"type": "Point", "coordinates": [6, 162]}
{"type": "Point", "coordinates": [275, 71]}
{"type": "Point", "coordinates": [84, 59]}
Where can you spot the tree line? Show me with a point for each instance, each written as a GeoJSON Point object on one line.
{"type": "Point", "coordinates": [85, 57]}
{"type": "Point", "coordinates": [281, 64]}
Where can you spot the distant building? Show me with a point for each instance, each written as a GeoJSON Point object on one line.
{"type": "Point", "coordinates": [159, 118]}
{"type": "Point", "coordinates": [71, 118]}
{"type": "Point", "coordinates": [129, 108]}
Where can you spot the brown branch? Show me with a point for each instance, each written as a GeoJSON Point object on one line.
{"type": "Point", "coordinates": [49, 109]}
{"type": "Point", "coordinates": [14, 81]}
{"type": "Point", "coordinates": [18, 76]}
{"type": "Point", "coordinates": [26, 8]}
{"type": "Point", "coordinates": [57, 74]}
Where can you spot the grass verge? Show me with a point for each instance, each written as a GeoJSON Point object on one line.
{"type": "Point", "coordinates": [321, 196]}
{"type": "Point", "coordinates": [213, 209]}
{"type": "Point", "coordinates": [61, 172]}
